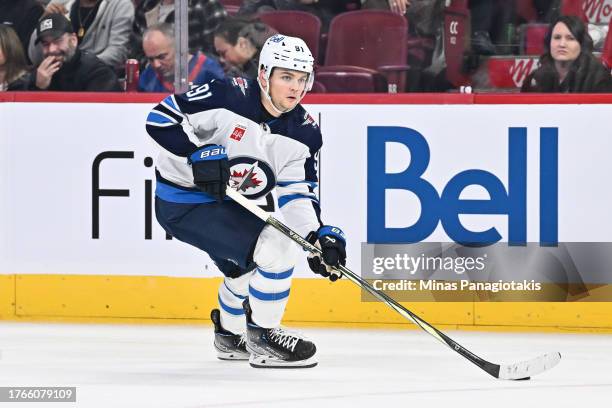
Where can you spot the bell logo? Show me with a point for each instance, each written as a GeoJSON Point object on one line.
{"type": "Point", "coordinates": [445, 208]}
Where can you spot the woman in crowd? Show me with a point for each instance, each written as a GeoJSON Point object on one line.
{"type": "Point", "coordinates": [14, 74]}
{"type": "Point", "coordinates": [568, 64]}
{"type": "Point", "coordinates": [238, 42]}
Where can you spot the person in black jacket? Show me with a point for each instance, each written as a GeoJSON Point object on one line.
{"type": "Point", "coordinates": [568, 64]}
{"type": "Point", "coordinates": [65, 67]}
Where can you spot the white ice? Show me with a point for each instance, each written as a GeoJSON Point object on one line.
{"type": "Point", "coordinates": [175, 366]}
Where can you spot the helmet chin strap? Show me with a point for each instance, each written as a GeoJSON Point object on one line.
{"type": "Point", "coordinates": [266, 90]}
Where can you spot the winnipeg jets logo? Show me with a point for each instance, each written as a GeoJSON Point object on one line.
{"type": "Point", "coordinates": [251, 177]}
{"type": "Point", "coordinates": [245, 179]}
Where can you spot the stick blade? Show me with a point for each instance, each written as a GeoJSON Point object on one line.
{"type": "Point", "coordinates": [527, 369]}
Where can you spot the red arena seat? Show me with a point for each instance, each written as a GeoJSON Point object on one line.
{"type": "Point", "coordinates": [532, 38]}
{"type": "Point", "coordinates": [368, 40]}
{"type": "Point", "coordinates": [296, 24]}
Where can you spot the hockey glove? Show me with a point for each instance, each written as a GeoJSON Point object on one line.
{"type": "Point", "coordinates": [330, 240]}
{"type": "Point", "coordinates": [210, 170]}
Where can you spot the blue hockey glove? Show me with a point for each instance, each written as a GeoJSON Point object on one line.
{"type": "Point", "coordinates": [330, 240]}
{"type": "Point", "coordinates": [210, 170]}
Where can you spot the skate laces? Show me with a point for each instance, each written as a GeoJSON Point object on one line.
{"type": "Point", "coordinates": [242, 341]}
{"type": "Point", "coordinates": [284, 338]}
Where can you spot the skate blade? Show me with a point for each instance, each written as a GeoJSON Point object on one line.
{"type": "Point", "coordinates": [232, 356]}
{"type": "Point", "coordinates": [259, 361]}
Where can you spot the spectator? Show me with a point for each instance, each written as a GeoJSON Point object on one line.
{"type": "Point", "coordinates": [14, 75]}
{"type": "Point", "coordinates": [204, 17]}
{"type": "Point", "coordinates": [65, 67]}
{"type": "Point", "coordinates": [102, 27]}
{"type": "Point", "coordinates": [238, 42]}
{"type": "Point", "coordinates": [22, 15]}
{"type": "Point", "coordinates": [159, 48]}
{"type": "Point", "coordinates": [568, 64]}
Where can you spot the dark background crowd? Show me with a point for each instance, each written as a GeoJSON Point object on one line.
{"type": "Point", "coordinates": [358, 45]}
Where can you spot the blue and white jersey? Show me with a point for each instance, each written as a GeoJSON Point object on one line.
{"type": "Point", "coordinates": [264, 152]}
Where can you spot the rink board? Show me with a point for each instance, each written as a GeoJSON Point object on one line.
{"type": "Point", "coordinates": [52, 267]}
{"type": "Point", "coordinates": [155, 299]}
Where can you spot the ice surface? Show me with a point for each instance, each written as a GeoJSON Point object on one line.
{"type": "Point", "coordinates": [175, 366]}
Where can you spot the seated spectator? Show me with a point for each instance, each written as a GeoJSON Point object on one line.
{"type": "Point", "coordinates": [22, 15]}
{"type": "Point", "coordinates": [204, 17]}
{"type": "Point", "coordinates": [14, 74]}
{"type": "Point", "coordinates": [102, 27]}
{"type": "Point", "coordinates": [568, 64]}
{"type": "Point", "coordinates": [159, 48]}
{"type": "Point", "coordinates": [238, 42]}
{"type": "Point", "coordinates": [65, 67]}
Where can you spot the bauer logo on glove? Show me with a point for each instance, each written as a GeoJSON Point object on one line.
{"type": "Point", "coordinates": [330, 240]}
{"type": "Point", "coordinates": [210, 170]}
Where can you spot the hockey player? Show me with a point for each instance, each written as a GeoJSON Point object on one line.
{"type": "Point", "coordinates": [255, 136]}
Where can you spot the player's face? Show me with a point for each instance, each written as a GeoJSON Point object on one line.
{"type": "Point", "coordinates": [62, 48]}
{"type": "Point", "coordinates": [287, 87]}
{"type": "Point", "coordinates": [563, 46]}
{"type": "Point", "coordinates": [159, 50]}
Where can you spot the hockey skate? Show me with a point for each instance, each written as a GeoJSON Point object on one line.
{"type": "Point", "coordinates": [277, 347]}
{"type": "Point", "coordinates": [229, 346]}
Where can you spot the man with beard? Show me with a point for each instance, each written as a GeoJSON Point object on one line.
{"type": "Point", "coordinates": [65, 67]}
{"type": "Point", "coordinates": [159, 48]}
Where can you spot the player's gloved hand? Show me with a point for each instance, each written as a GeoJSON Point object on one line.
{"type": "Point", "coordinates": [330, 240]}
{"type": "Point", "coordinates": [210, 170]}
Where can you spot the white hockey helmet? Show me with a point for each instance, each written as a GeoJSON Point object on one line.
{"type": "Point", "coordinates": [281, 51]}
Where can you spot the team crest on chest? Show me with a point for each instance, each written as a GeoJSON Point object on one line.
{"type": "Point", "coordinates": [251, 177]}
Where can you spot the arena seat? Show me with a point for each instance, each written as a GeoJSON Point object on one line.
{"type": "Point", "coordinates": [361, 80]}
{"type": "Point", "coordinates": [532, 38]}
{"type": "Point", "coordinates": [296, 24]}
{"type": "Point", "coordinates": [231, 6]}
{"type": "Point", "coordinates": [371, 40]}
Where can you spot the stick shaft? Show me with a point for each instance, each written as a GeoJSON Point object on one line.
{"type": "Point", "coordinates": [492, 369]}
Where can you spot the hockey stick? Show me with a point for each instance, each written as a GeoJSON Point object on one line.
{"type": "Point", "coordinates": [523, 370]}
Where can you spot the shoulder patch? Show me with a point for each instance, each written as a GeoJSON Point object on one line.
{"type": "Point", "coordinates": [240, 83]}
{"type": "Point", "coordinates": [309, 120]}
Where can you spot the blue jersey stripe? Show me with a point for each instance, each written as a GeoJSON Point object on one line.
{"type": "Point", "coordinates": [268, 296]}
{"type": "Point", "coordinates": [288, 183]}
{"type": "Point", "coordinates": [276, 276]}
{"type": "Point", "coordinates": [284, 200]}
{"type": "Point", "coordinates": [176, 195]}
{"type": "Point", "coordinates": [156, 117]}
{"type": "Point", "coordinates": [230, 310]}
{"type": "Point", "coordinates": [170, 102]}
